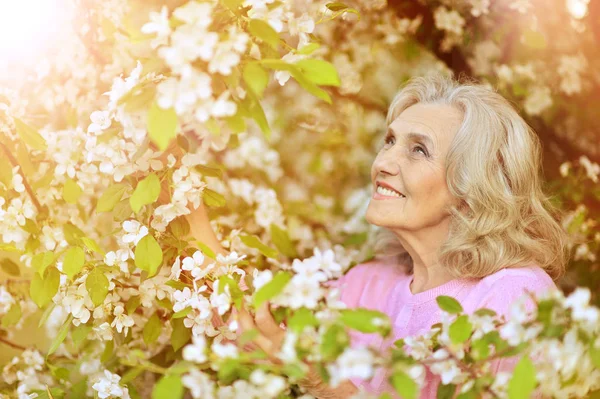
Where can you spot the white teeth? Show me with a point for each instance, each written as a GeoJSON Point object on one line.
{"type": "Point", "coordinates": [387, 192]}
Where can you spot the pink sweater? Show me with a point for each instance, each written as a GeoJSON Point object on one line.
{"type": "Point", "coordinates": [380, 285]}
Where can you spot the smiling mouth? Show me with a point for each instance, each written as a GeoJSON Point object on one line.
{"type": "Point", "coordinates": [388, 192]}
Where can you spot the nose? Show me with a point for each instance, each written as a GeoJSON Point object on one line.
{"type": "Point", "coordinates": [386, 163]}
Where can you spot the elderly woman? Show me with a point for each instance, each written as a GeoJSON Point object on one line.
{"type": "Point", "coordinates": [457, 194]}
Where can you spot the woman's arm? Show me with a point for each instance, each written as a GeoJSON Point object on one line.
{"type": "Point", "coordinates": [315, 386]}
{"type": "Point", "coordinates": [201, 230]}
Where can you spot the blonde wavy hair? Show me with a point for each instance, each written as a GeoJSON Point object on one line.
{"type": "Point", "coordinates": [494, 167]}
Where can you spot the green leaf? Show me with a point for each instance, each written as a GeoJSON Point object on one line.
{"type": "Point", "coordinates": [485, 312]}
{"type": "Point", "coordinates": [257, 113]}
{"type": "Point", "coordinates": [43, 289]}
{"type": "Point", "coordinates": [480, 349]}
{"type": "Point", "coordinates": [73, 261]}
{"type": "Point", "coordinates": [336, 6]}
{"type": "Point", "coordinates": [152, 329]}
{"type": "Point", "coordinates": [594, 354]}
{"type": "Point", "coordinates": [534, 39]}
{"type": "Point", "coordinates": [404, 385]}
{"type": "Point", "coordinates": [11, 317]}
{"type": "Point", "coordinates": [10, 267]}
{"type": "Point", "coordinates": [523, 381]}
{"type": "Point", "coordinates": [41, 261]}
{"type": "Point", "coordinates": [60, 336]}
{"type": "Point", "coordinates": [319, 72]}
{"type": "Point", "coordinates": [206, 250]}
{"type": "Point", "coordinates": [237, 125]}
{"type": "Point", "coordinates": [132, 304]}
{"type": "Point", "coordinates": [71, 191]}
{"type": "Point", "coordinates": [449, 304]}
{"type": "Point", "coordinates": [110, 197]}
{"type": "Point", "coordinates": [302, 318]}
{"type": "Point", "coordinates": [366, 320]}
{"type": "Point", "coordinates": [206, 170]}
{"type": "Point", "coordinates": [233, 5]}
{"type": "Point", "coordinates": [162, 125]}
{"type": "Point", "coordinates": [96, 284]}
{"type": "Point", "coordinates": [180, 335]}
{"type": "Point", "coordinates": [148, 255]}
{"type": "Point", "coordinates": [80, 334]}
{"type": "Point", "coordinates": [356, 239]}
{"type": "Point", "coordinates": [282, 241]}
{"type": "Point", "coordinates": [271, 289]}
{"type": "Point", "coordinates": [139, 97]}
{"type": "Point", "coordinates": [460, 330]}
{"type": "Point", "coordinates": [169, 386]}
{"type": "Point", "coordinates": [46, 314]}
{"type": "Point", "coordinates": [256, 78]}
{"type": "Point", "coordinates": [6, 174]}
{"type": "Point", "coordinates": [234, 290]}
{"type": "Point", "coordinates": [178, 285]}
{"type": "Point", "coordinates": [179, 227]}
{"type": "Point", "coordinates": [445, 391]}
{"type": "Point", "coordinates": [92, 245]}
{"type": "Point", "coordinates": [30, 136]}
{"type": "Point", "coordinates": [254, 242]}
{"type": "Point", "coordinates": [146, 192]}
{"type": "Point", "coordinates": [308, 48]}
{"type": "Point", "coordinates": [108, 351]}
{"type": "Point", "coordinates": [78, 390]}
{"type": "Point", "coordinates": [212, 198]}
{"type": "Point", "coordinates": [299, 76]}
{"type": "Point", "coordinates": [182, 313]}
{"type": "Point", "coordinates": [263, 31]}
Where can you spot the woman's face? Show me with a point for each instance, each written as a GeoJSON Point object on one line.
{"type": "Point", "coordinates": [412, 163]}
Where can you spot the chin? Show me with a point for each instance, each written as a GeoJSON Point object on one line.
{"type": "Point", "coordinates": [377, 220]}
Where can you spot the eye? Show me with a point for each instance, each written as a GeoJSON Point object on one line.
{"type": "Point", "coordinates": [420, 148]}
{"type": "Point", "coordinates": [389, 140]}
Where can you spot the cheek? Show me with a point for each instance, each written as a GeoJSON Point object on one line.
{"type": "Point", "coordinates": [429, 187]}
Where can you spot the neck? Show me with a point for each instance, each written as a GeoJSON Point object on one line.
{"type": "Point", "coordinates": [423, 246]}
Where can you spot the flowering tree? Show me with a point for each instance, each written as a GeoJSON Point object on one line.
{"type": "Point", "coordinates": [143, 113]}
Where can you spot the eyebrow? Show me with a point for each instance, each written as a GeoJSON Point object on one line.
{"type": "Point", "coordinates": [415, 136]}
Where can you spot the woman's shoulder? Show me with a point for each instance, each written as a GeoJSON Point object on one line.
{"type": "Point", "coordinates": [531, 276]}
{"type": "Point", "coordinates": [501, 289]}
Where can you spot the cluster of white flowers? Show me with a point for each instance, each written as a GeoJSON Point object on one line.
{"type": "Point", "coordinates": [254, 152]}
{"type": "Point", "coordinates": [538, 100]}
{"type": "Point", "coordinates": [107, 387]}
{"type": "Point", "coordinates": [14, 218]}
{"type": "Point", "coordinates": [28, 371]}
{"type": "Point", "coordinates": [453, 23]}
{"type": "Point", "coordinates": [352, 363]}
{"type": "Point", "coordinates": [133, 232]}
{"type": "Point", "coordinates": [6, 300]}
{"type": "Point", "coordinates": [260, 385]}
{"type": "Point", "coordinates": [592, 169]}
{"type": "Point", "coordinates": [304, 289]}
{"type": "Point", "coordinates": [190, 91]}
{"type": "Point", "coordinates": [187, 189]}
{"type": "Point", "coordinates": [570, 69]}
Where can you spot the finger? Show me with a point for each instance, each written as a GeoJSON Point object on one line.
{"type": "Point", "coordinates": [266, 323]}
{"type": "Point", "coordinates": [246, 322]}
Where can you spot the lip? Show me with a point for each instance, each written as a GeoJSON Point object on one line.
{"type": "Point", "coordinates": [384, 184]}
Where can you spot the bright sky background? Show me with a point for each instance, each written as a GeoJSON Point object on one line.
{"type": "Point", "coordinates": [27, 27]}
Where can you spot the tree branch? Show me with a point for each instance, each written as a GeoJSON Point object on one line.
{"type": "Point", "coordinates": [12, 344]}
{"type": "Point", "coordinates": [14, 162]}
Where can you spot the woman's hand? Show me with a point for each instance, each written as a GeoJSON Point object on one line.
{"type": "Point", "coordinates": [270, 339]}
{"type": "Point", "coordinates": [270, 335]}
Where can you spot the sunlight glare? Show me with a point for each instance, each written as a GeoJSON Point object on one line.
{"type": "Point", "coordinates": [26, 26]}
{"type": "Point", "coordinates": [577, 8]}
